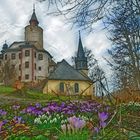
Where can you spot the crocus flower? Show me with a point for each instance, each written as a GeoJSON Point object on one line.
{"type": "Point", "coordinates": [2, 112]}
{"type": "Point", "coordinates": [102, 124]}
{"type": "Point", "coordinates": [96, 129]}
{"type": "Point", "coordinates": [38, 105]}
{"type": "Point", "coordinates": [76, 122]}
{"type": "Point", "coordinates": [103, 116]}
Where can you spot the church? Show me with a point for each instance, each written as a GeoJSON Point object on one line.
{"type": "Point", "coordinates": [33, 64]}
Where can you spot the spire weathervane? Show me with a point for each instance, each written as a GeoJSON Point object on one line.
{"type": "Point", "coordinates": [34, 7]}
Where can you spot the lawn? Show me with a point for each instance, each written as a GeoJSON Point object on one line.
{"type": "Point", "coordinates": [6, 89]}
{"type": "Point", "coordinates": [47, 117]}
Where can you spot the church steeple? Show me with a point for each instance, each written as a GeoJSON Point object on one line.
{"type": "Point", "coordinates": [33, 20]}
{"type": "Point", "coordinates": [81, 60]}
{"type": "Point", "coordinates": [80, 53]}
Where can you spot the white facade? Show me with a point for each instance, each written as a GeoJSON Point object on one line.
{"type": "Point", "coordinates": [29, 58]}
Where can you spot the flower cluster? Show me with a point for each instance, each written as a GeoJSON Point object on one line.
{"type": "Point", "coordinates": [49, 119]}
{"type": "Point", "coordinates": [2, 112]}
{"type": "Point", "coordinates": [74, 124]}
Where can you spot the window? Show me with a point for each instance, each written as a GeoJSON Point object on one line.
{"type": "Point", "coordinates": [39, 68]}
{"type": "Point", "coordinates": [0, 63]}
{"type": "Point", "coordinates": [19, 66]}
{"type": "Point", "coordinates": [13, 56]}
{"type": "Point", "coordinates": [35, 77]}
{"type": "Point", "coordinates": [61, 87]}
{"type": "Point", "coordinates": [40, 56]}
{"type": "Point", "coordinates": [76, 87]}
{"type": "Point", "coordinates": [35, 54]}
{"type": "Point", "coordinates": [26, 64]}
{"type": "Point", "coordinates": [19, 55]}
{"type": "Point", "coordinates": [27, 52]}
{"type": "Point", "coordinates": [5, 56]}
{"type": "Point", "coordinates": [35, 66]}
{"type": "Point", "coordinates": [27, 76]}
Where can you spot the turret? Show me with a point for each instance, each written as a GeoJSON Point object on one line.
{"type": "Point", "coordinates": [34, 33]}
{"type": "Point", "coordinates": [5, 47]}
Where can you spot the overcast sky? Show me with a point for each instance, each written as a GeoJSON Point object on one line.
{"type": "Point", "coordinates": [59, 39]}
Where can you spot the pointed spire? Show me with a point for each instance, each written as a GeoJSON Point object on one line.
{"type": "Point", "coordinates": [34, 7]}
{"type": "Point", "coordinates": [33, 20]}
{"type": "Point", "coordinates": [80, 53]}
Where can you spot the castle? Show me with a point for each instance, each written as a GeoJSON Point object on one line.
{"type": "Point", "coordinates": [33, 63]}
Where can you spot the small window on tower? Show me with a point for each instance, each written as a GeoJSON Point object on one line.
{"type": "Point", "coordinates": [39, 68]}
{"type": "Point", "coordinates": [27, 52]}
{"type": "Point", "coordinates": [40, 56]}
{"type": "Point", "coordinates": [26, 64]}
{"type": "Point", "coordinates": [13, 56]}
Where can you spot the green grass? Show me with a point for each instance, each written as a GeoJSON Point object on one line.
{"type": "Point", "coordinates": [6, 89]}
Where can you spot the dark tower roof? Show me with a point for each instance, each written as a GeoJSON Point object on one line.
{"type": "Point", "coordinates": [80, 53]}
{"type": "Point", "coordinates": [5, 46]}
{"type": "Point", "coordinates": [33, 20]}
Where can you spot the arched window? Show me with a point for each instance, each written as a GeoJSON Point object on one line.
{"type": "Point", "coordinates": [76, 87]}
{"type": "Point", "coordinates": [61, 87]}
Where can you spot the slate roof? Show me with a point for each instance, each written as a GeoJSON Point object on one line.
{"type": "Point", "coordinates": [24, 44]}
{"type": "Point", "coordinates": [64, 71]}
{"type": "Point", "coordinates": [34, 18]}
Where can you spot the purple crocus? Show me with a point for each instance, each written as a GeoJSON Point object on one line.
{"type": "Point", "coordinates": [18, 119]}
{"type": "Point", "coordinates": [76, 122]}
{"type": "Point", "coordinates": [103, 116]}
{"type": "Point", "coordinates": [38, 105]}
{"type": "Point", "coordinates": [96, 129]}
{"type": "Point", "coordinates": [2, 112]}
{"type": "Point", "coordinates": [102, 124]}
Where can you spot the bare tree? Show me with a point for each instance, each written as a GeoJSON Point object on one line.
{"type": "Point", "coordinates": [124, 26]}
{"type": "Point", "coordinates": [86, 12]}
{"type": "Point", "coordinates": [7, 73]}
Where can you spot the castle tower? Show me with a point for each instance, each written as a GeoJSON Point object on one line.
{"type": "Point", "coordinates": [34, 33]}
{"type": "Point", "coordinates": [81, 60]}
